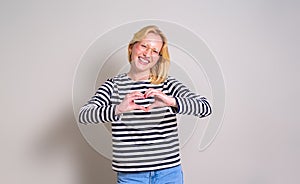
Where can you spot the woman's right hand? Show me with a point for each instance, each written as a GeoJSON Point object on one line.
{"type": "Point", "coordinates": [128, 103]}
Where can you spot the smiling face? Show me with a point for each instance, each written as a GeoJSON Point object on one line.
{"type": "Point", "coordinates": [145, 54]}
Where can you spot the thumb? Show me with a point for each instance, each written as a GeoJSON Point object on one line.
{"type": "Point", "coordinates": [151, 107]}
{"type": "Point", "coordinates": [135, 106]}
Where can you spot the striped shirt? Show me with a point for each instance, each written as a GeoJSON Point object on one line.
{"type": "Point", "coordinates": [143, 141]}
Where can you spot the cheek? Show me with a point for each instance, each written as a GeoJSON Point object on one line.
{"type": "Point", "coordinates": [155, 59]}
{"type": "Point", "coordinates": [134, 53]}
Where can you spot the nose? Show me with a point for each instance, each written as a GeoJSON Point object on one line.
{"type": "Point", "coordinates": [147, 52]}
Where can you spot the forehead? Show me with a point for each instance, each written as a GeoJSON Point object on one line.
{"type": "Point", "coordinates": [152, 38]}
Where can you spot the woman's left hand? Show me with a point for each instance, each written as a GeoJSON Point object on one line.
{"type": "Point", "coordinates": [160, 99]}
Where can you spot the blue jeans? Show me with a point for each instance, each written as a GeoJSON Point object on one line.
{"type": "Point", "coordinates": [171, 175]}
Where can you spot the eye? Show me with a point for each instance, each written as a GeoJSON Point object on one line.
{"type": "Point", "coordinates": [143, 45]}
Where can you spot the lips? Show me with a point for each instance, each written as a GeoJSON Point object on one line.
{"type": "Point", "coordinates": [143, 60]}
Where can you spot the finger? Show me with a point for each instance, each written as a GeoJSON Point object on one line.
{"type": "Point", "coordinates": [135, 98]}
{"type": "Point", "coordinates": [151, 92]}
{"type": "Point", "coordinates": [138, 107]}
{"type": "Point", "coordinates": [157, 94]}
{"type": "Point", "coordinates": [150, 107]}
{"type": "Point", "coordinates": [148, 90]}
{"type": "Point", "coordinates": [135, 95]}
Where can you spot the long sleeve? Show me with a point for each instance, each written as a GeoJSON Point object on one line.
{"type": "Point", "coordinates": [188, 102]}
{"type": "Point", "coordinates": [99, 108]}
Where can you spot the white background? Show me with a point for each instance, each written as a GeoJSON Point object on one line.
{"type": "Point", "coordinates": [255, 42]}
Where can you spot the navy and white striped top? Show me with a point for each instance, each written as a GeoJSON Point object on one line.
{"type": "Point", "coordinates": [143, 141]}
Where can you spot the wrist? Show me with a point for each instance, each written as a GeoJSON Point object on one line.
{"type": "Point", "coordinates": [173, 102]}
{"type": "Point", "coordinates": [117, 110]}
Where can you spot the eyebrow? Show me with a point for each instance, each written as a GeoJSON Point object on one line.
{"type": "Point", "coordinates": [143, 43]}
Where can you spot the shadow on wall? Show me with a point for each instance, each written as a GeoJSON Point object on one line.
{"type": "Point", "coordinates": [65, 140]}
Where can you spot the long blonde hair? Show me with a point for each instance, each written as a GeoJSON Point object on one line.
{"type": "Point", "coordinates": [159, 72]}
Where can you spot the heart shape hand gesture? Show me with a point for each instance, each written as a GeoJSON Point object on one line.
{"type": "Point", "coordinates": [160, 100]}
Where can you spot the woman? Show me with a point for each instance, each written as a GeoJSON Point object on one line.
{"type": "Point", "coordinates": [142, 106]}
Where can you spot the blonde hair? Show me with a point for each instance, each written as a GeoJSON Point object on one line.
{"type": "Point", "coordinates": [159, 72]}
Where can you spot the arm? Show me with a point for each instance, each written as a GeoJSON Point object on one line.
{"type": "Point", "coordinates": [99, 107]}
{"type": "Point", "coordinates": [188, 102]}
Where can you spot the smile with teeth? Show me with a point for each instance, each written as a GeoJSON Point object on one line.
{"type": "Point", "coordinates": [143, 60]}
